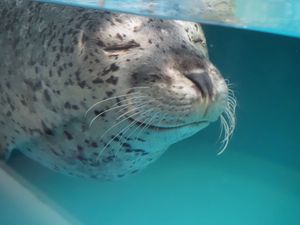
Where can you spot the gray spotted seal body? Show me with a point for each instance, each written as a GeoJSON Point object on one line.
{"type": "Point", "coordinates": [102, 95]}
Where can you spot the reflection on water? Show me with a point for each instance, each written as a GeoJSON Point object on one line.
{"type": "Point", "coordinates": [280, 16]}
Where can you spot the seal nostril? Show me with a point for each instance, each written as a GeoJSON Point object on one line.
{"type": "Point", "coordinates": [203, 83]}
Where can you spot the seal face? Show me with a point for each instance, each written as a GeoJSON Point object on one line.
{"type": "Point", "coordinates": [102, 95]}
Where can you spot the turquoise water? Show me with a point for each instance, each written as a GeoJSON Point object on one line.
{"type": "Point", "coordinates": [255, 182]}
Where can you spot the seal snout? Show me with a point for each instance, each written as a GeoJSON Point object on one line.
{"type": "Point", "coordinates": [203, 83]}
{"type": "Point", "coordinates": [210, 93]}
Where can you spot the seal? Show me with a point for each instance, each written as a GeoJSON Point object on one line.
{"type": "Point", "coordinates": [95, 94]}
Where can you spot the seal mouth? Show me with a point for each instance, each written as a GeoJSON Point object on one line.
{"type": "Point", "coordinates": [161, 128]}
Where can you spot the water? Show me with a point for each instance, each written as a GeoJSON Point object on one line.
{"type": "Point", "coordinates": [255, 182]}
{"type": "Point", "coordinates": [275, 16]}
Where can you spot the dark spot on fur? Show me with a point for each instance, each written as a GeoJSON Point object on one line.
{"type": "Point", "coordinates": [67, 105]}
{"type": "Point", "coordinates": [7, 84]}
{"type": "Point", "coordinates": [114, 67]}
{"type": "Point", "coordinates": [47, 130]}
{"type": "Point", "coordinates": [57, 57]}
{"type": "Point", "coordinates": [68, 135]}
{"type": "Point", "coordinates": [108, 159]}
{"type": "Point", "coordinates": [84, 38]}
{"type": "Point", "coordinates": [97, 81]}
{"type": "Point", "coordinates": [138, 150]}
{"type": "Point", "coordinates": [75, 107]}
{"type": "Point", "coordinates": [82, 83]}
{"type": "Point", "coordinates": [23, 101]}
{"type": "Point", "coordinates": [33, 84]}
{"type": "Point", "coordinates": [134, 171]}
{"type": "Point", "coordinates": [112, 80]}
{"type": "Point", "coordinates": [140, 139]}
{"type": "Point", "coordinates": [81, 158]}
{"type": "Point", "coordinates": [94, 145]}
{"type": "Point", "coordinates": [119, 36]}
{"type": "Point", "coordinates": [97, 112]}
{"type": "Point", "coordinates": [47, 96]}
{"type": "Point", "coordinates": [126, 145]}
{"type": "Point", "coordinates": [80, 148]}
{"type": "Point", "coordinates": [109, 93]}
{"type": "Point", "coordinates": [100, 43]}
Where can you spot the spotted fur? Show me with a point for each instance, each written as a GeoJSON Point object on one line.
{"type": "Point", "coordinates": [62, 69]}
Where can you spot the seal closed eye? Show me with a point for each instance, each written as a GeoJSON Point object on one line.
{"type": "Point", "coordinates": [122, 46]}
{"type": "Point", "coordinates": [102, 95]}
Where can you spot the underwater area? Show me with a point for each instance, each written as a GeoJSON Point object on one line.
{"type": "Point", "coordinates": [256, 181]}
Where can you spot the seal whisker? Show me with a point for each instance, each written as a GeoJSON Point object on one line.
{"type": "Point", "coordinates": [105, 100]}
{"type": "Point", "coordinates": [115, 125]}
{"type": "Point", "coordinates": [133, 88]}
{"type": "Point", "coordinates": [154, 100]}
{"type": "Point", "coordinates": [128, 100]}
{"type": "Point", "coordinates": [115, 136]}
{"type": "Point", "coordinates": [229, 85]}
{"type": "Point", "coordinates": [148, 120]}
{"type": "Point", "coordinates": [135, 108]}
{"type": "Point", "coordinates": [146, 125]}
{"type": "Point", "coordinates": [228, 121]}
{"type": "Point", "coordinates": [143, 124]}
{"type": "Point", "coordinates": [122, 106]}
{"type": "Point", "coordinates": [119, 122]}
{"type": "Point", "coordinates": [105, 111]}
{"type": "Point", "coordinates": [115, 97]}
{"type": "Point", "coordinates": [179, 119]}
{"type": "Point", "coordinates": [134, 122]}
{"type": "Point", "coordinates": [225, 130]}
